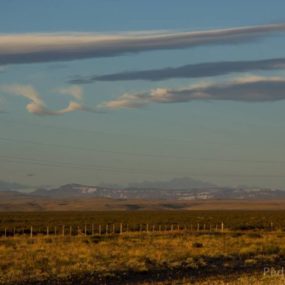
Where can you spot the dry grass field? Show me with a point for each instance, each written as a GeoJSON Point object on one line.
{"type": "Point", "coordinates": [21, 202]}
{"type": "Point", "coordinates": [154, 247]}
{"type": "Point", "coordinates": [135, 258]}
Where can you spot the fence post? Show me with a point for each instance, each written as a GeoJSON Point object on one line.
{"type": "Point", "coordinates": [85, 230]}
{"type": "Point", "coordinates": [121, 228]}
{"type": "Point", "coordinates": [63, 230]}
{"type": "Point", "coordinates": [198, 227]}
{"type": "Point", "coordinates": [31, 233]}
{"type": "Point", "coordinates": [224, 243]}
{"type": "Point", "coordinates": [222, 227]}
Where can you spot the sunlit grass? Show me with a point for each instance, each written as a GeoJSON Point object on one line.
{"type": "Point", "coordinates": [42, 258]}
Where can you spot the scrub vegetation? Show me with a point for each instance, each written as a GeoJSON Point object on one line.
{"type": "Point", "coordinates": [141, 257]}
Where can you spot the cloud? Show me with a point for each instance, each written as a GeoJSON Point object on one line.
{"type": "Point", "coordinates": [73, 91]}
{"type": "Point", "coordinates": [247, 89]}
{"type": "Point", "coordinates": [188, 71]}
{"type": "Point", "coordinates": [57, 66]}
{"type": "Point", "coordinates": [37, 106]}
{"type": "Point", "coordinates": [3, 68]}
{"type": "Point", "coordinates": [74, 106]}
{"type": "Point", "coordinates": [2, 104]}
{"type": "Point", "coordinates": [31, 48]}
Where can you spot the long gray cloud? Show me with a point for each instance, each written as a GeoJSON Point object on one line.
{"type": "Point", "coordinates": [188, 71]}
{"type": "Point", "coordinates": [31, 48]}
{"type": "Point", "coordinates": [248, 89]}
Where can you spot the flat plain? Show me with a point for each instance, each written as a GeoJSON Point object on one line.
{"type": "Point", "coordinates": [142, 247]}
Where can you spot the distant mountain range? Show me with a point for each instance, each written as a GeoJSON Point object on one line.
{"type": "Point", "coordinates": [181, 189]}
{"type": "Point", "coordinates": [182, 183]}
{"type": "Point", "coordinates": [11, 186]}
{"type": "Point", "coordinates": [175, 189]}
{"type": "Point", "coordinates": [176, 194]}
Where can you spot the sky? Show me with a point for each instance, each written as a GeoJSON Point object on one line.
{"type": "Point", "coordinates": [124, 91]}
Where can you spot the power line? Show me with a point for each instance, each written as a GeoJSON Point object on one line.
{"type": "Point", "coordinates": [90, 131]}
{"type": "Point", "coordinates": [151, 155]}
{"type": "Point", "coordinates": [57, 164]}
{"type": "Point", "coordinates": [172, 139]}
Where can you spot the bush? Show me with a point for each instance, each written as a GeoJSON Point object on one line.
{"type": "Point", "coordinates": [197, 244]}
{"type": "Point", "coordinates": [236, 234]}
{"type": "Point", "coordinates": [250, 262]}
{"type": "Point", "coordinates": [271, 249]}
{"type": "Point", "coordinates": [254, 235]}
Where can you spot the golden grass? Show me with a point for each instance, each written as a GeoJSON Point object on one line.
{"type": "Point", "coordinates": [47, 258]}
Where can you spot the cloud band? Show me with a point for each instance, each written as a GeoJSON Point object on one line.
{"type": "Point", "coordinates": [248, 89]}
{"type": "Point", "coordinates": [32, 48]}
{"type": "Point", "coordinates": [208, 69]}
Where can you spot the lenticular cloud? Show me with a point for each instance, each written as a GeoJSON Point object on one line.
{"type": "Point", "coordinates": [32, 48]}
{"type": "Point", "coordinates": [248, 89]}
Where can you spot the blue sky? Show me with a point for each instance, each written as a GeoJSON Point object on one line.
{"type": "Point", "coordinates": [228, 142]}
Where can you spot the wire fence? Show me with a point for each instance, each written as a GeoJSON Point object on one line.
{"type": "Point", "coordinates": [107, 229]}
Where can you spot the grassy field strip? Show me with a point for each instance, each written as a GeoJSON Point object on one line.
{"type": "Point", "coordinates": [138, 255]}
{"type": "Point", "coordinates": [122, 248]}
{"type": "Point", "coordinates": [235, 220]}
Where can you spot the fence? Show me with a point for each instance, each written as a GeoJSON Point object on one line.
{"type": "Point", "coordinates": [108, 229]}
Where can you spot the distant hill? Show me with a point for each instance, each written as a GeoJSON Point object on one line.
{"type": "Point", "coordinates": [176, 189]}
{"type": "Point", "coordinates": [176, 194]}
{"type": "Point", "coordinates": [71, 191]}
{"type": "Point", "coordinates": [181, 183]}
{"type": "Point", "coordinates": [13, 201]}
{"type": "Point", "coordinates": [11, 186]}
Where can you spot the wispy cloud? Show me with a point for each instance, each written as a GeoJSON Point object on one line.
{"type": "Point", "coordinates": [2, 104]}
{"type": "Point", "coordinates": [3, 68]}
{"type": "Point", "coordinates": [37, 106]}
{"type": "Point", "coordinates": [57, 66]}
{"type": "Point", "coordinates": [73, 91]}
{"type": "Point", "coordinates": [75, 106]}
{"type": "Point", "coordinates": [31, 48]}
{"type": "Point", "coordinates": [207, 69]}
{"type": "Point", "coordinates": [247, 89]}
